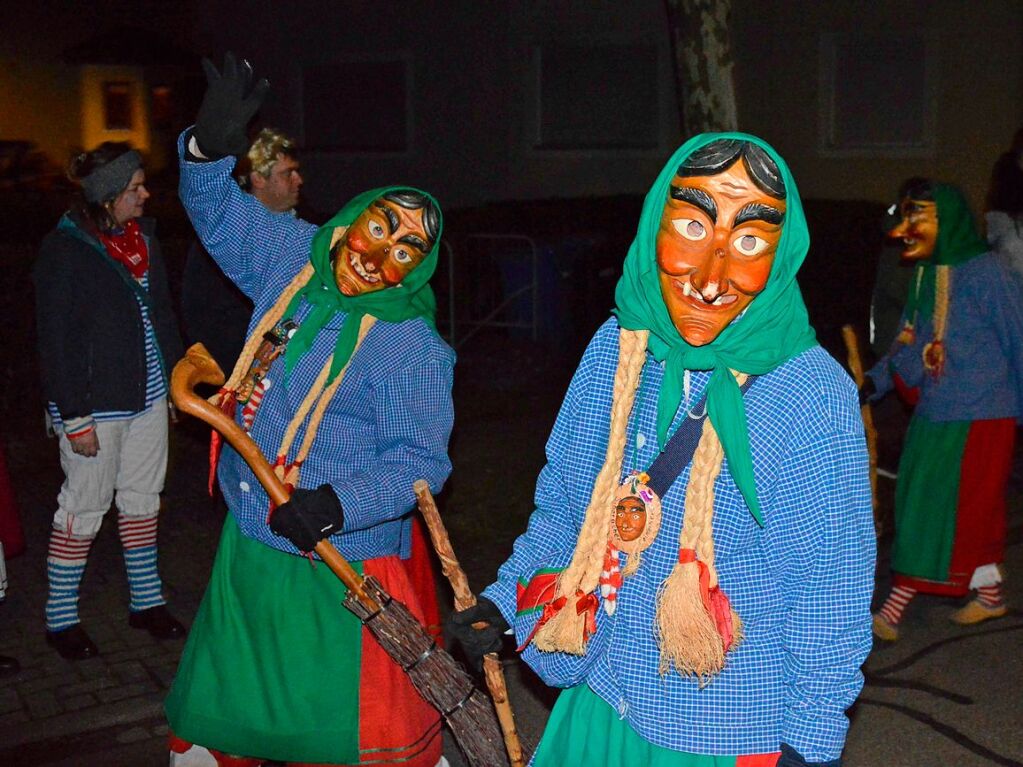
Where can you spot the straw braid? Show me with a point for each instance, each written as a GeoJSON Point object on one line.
{"type": "Point", "coordinates": [565, 629]}
{"type": "Point", "coordinates": [321, 396]}
{"type": "Point", "coordinates": [934, 352]}
{"type": "Point", "coordinates": [696, 626]}
{"type": "Point", "coordinates": [266, 323]}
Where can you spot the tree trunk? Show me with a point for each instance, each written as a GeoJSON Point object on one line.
{"type": "Point", "coordinates": [702, 47]}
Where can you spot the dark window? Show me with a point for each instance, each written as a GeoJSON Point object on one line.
{"type": "Point", "coordinates": [878, 92]}
{"type": "Point", "coordinates": [117, 111]}
{"type": "Point", "coordinates": [356, 106]}
{"type": "Point", "coordinates": [597, 97]}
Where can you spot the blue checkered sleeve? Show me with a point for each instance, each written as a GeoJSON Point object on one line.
{"type": "Point", "coordinates": [553, 528]}
{"type": "Point", "coordinates": [822, 555]}
{"type": "Point", "coordinates": [413, 425]}
{"type": "Point", "coordinates": [243, 236]}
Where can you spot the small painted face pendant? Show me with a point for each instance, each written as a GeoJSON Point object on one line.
{"type": "Point", "coordinates": [637, 516]}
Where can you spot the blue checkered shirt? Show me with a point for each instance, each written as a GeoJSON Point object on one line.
{"type": "Point", "coordinates": [389, 422]}
{"type": "Point", "coordinates": [801, 584]}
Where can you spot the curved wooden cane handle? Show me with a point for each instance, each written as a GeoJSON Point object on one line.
{"type": "Point", "coordinates": [197, 366]}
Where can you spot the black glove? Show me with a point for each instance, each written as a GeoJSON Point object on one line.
{"type": "Point", "coordinates": [309, 517]}
{"type": "Point", "coordinates": [791, 758]}
{"type": "Point", "coordinates": [867, 391]}
{"type": "Point", "coordinates": [226, 108]}
{"type": "Point", "coordinates": [478, 642]}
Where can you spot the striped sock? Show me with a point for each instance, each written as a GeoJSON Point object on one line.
{"type": "Point", "coordinates": [895, 605]}
{"type": "Point", "coordinates": [138, 537]}
{"type": "Point", "coordinates": [990, 596]}
{"type": "Point", "coordinates": [65, 565]}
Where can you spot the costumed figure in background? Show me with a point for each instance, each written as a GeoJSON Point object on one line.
{"type": "Point", "coordinates": [107, 339]}
{"type": "Point", "coordinates": [961, 347]}
{"type": "Point", "coordinates": [1004, 216]}
{"type": "Point", "coordinates": [345, 386]}
{"type": "Point", "coordinates": [214, 311]}
{"type": "Point", "coordinates": [698, 570]}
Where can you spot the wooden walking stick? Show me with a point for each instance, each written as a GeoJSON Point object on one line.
{"type": "Point", "coordinates": [464, 599]}
{"type": "Point", "coordinates": [442, 682]}
{"type": "Point", "coordinates": [852, 346]}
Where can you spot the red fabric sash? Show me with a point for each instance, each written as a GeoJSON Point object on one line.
{"type": "Point", "coordinates": [715, 602]}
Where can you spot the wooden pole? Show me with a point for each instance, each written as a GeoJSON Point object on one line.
{"type": "Point", "coordinates": [852, 346]}
{"type": "Point", "coordinates": [465, 599]}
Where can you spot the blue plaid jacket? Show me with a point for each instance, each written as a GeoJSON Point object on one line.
{"type": "Point", "coordinates": [389, 422]}
{"type": "Point", "coordinates": [983, 376]}
{"type": "Point", "coordinates": [801, 584]}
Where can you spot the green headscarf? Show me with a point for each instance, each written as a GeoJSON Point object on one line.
{"type": "Point", "coordinates": [958, 242]}
{"type": "Point", "coordinates": [773, 329]}
{"type": "Point", "coordinates": [412, 298]}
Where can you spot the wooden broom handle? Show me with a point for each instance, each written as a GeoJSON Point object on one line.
{"type": "Point", "coordinates": [465, 599]}
{"type": "Point", "coordinates": [197, 366]}
{"type": "Point", "coordinates": [852, 346]}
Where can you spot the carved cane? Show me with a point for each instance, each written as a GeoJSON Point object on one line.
{"type": "Point", "coordinates": [852, 346]}
{"type": "Point", "coordinates": [465, 599]}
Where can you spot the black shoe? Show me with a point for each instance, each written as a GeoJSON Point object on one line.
{"type": "Point", "coordinates": [72, 643]}
{"type": "Point", "coordinates": [158, 622]}
{"type": "Point", "coordinates": [9, 666]}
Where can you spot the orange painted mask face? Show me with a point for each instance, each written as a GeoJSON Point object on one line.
{"type": "Point", "coordinates": [630, 518]}
{"type": "Point", "coordinates": [379, 249]}
{"type": "Point", "coordinates": [918, 229]}
{"type": "Point", "coordinates": [715, 248]}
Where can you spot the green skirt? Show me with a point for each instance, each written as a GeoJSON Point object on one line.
{"type": "Point", "coordinates": [271, 667]}
{"type": "Point", "coordinates": [584, 729]}
{"type": "Point", "coordinates": [927, 496]}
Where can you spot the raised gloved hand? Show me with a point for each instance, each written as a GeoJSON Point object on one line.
{"type": "Point", "coordinates": [309, 517]}
{"type": "Point", "coordinates": [226, 108]}
{"type": "Point", "coordinates": [792, 758]}
{"type": "Point", "coordinates": [867, 391]}
{"type": "Point", "coordinates": [477, 642]}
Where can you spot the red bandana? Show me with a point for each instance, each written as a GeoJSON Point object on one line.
{"type": "Point", "coordinates": [128, 248]}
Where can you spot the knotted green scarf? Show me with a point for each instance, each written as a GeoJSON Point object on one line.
{"type": "Point", "coordinates": [412, 298]}
{"type": "Point", "coordinates": [958, 242]}
{"type": "Point", "coordinates": [773, 329]}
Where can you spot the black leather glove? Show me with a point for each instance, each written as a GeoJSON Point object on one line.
{"type": "Point", "coordinates": [477, 642]}
{"type": "Point", "coordinates": [226, 108]}
{"type": "Point", "coordinates": [867, 391]}
{"type": "Point", "coordinates": [309, 517]}
{"type": "Point", "coordinates": [791, 758]}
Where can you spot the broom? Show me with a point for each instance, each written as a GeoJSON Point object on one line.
{"type": "Point", "coordinates": [852, 346]}
{"type": "Point", "coordinates": [464, 599]}
{"type": "Point", "coordinates": [441, 681]}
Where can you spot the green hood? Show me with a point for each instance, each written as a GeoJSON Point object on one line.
{"type": "Point", "coordinates": [958, 242]}
{"type": "Point", "coordinates": [412, 298]}
{"type": "Point", "coordinates": [773, 329]}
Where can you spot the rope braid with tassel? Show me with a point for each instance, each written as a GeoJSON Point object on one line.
{"type": "Point", "coordinates": [316, 400]}
{"type": "Point", "coordinates": [695, 623]}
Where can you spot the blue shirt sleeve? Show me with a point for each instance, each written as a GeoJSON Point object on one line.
{"type": "Point", "coordinates": [550, 537]}
{"type": "Point", "coordinates": [821, 539]}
